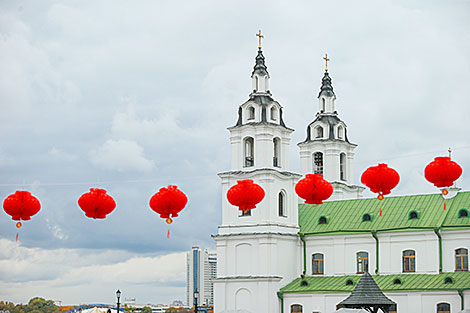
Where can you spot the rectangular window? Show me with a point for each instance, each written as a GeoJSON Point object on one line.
{"type": "Point", "coordinates": [318, 163]}
{"type": "Point", "coordinates": [461, 260]}
{"type": "Point", "coordinates": [409, 264]}
{"type": "Point", "coordinates": [362, 262]}
{"type": "Point", "coordinates": [317, 264]}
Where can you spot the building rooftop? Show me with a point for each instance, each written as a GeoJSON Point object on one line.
{"type": "Point", "coordinates": [387, 283]}
{"type": "Point", "coordinates": [402, 213]}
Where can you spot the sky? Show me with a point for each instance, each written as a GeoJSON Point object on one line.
{"type": "Point", "coordinates": [131, 96]}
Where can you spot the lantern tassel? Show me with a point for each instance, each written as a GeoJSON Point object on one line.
{"type": "Point", "coordinates": [445, 206]}
{"type": "Point", "coordinates": [17, 233]}
{"type": "Point", "coordinates": [168, 234]}
{"type": "Point", "coordinates": [380, 208]}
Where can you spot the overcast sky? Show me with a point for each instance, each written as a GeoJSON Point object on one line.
{"type": "Point", "coordinates": [131, 96]}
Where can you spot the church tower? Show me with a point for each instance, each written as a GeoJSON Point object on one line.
{"type": "Point", "coordinates": [327, 149]}
{"type": "Point", "coordinates": [255, 250]}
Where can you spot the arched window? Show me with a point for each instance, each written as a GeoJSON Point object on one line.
{"type": "Point", "coordinates": [251, 113]}
{"type": "Point", "coordinates": [342, 166]}
{"type": "Point", "coordinates": [318, 163]}
{"type": "Point", "coordinates": [323, 105]}
{"type": "Point", "coordinates": [362, 262]}
{"type": "Point", "coordinates": [296, 308]}
{"type": "Point", "coordinates": [274, 113]}
{"type": "Point", "coordinates": [413, 215]}
{"type": "Point", "coordinates": [340, 132]}
{"type": "Point", "coordinates": [282, 204]}
{"type": "Point", "coordinates": [463, 213]}
{"type": "Point", "coordinates": [317, 264]}
{"type": "Point", "coordinates": [443, 307]}
{"type": "Point", "coordinates": [409, 261]}
{"type": "Point", "coordinates": [318, 132]}
{"type": "Point", "coordinates": [277, 154]}
{"type": "Point", "coordinates": [249, 152]}
{"type": "Point", "coordinates": [366, 217]}
{"type": "Point", "coordinates": [257, 83]}
{"type": "Point", "coordinates": [461, 259]}
{"type": "Point", "coordinates": [322, 220]}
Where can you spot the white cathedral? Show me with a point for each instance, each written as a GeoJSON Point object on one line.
{"type": "Point", "coordinates": [286, 257]}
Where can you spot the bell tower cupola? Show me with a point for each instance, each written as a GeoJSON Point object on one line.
{"type": "Point", "coordinates": [327, 149]}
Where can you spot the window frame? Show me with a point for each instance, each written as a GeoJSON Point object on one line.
{"type": "Point", "coordinates": [342, 167]}
{"type": "Point", "coordinates": [318, 164]}
{"type": "Point", "coordinates": [281, 204]}
{"type": "Point", "coordinates": [251, 113]}
{"type": "Point", "coordinates": [320, 259]}
{"type": "Point", "coordinates": [409, 261]}
{"type": "Point", "coordinates": [463, 256]}
{"type": "Point", "coordinates": [276, 152]}
{"type": "Point", "coordinates": [362, 261]}
{"type": "Point", "coordinates": [441, 310]}
{"type": "Point", "coordinates": [297, 306]}
{"type": "Point", "coordinates": [248, 152]}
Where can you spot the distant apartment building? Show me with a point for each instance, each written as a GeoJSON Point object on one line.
{"type": "Point", "coordinates": [201, 267]}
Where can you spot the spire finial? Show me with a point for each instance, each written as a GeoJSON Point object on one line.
{"type": "Point", "coordinates": [326, 61]}
{"type": "Point", "coordinates": [259, 38]}
{"type": "Point", "coordinates": [450, 152]}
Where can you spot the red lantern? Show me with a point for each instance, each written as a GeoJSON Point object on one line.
{"type": "Point", "coordinates": [380, 179]}
{"type": "Point", "coordinates": [96, 203]}
{"type": "Point", "coordinates": [168, 202]}
{"type": "Point", "coordinates": [21, 206]}
{"type": "Point", "coordinates": [245, 195]}
{"type": "Point", "coordinates": [314, 189]}
{"type": "Point", "coordinates": [442, 172]}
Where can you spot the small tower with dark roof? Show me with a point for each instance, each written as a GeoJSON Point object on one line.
{"type": "Point", "coordinates": [327, 149]}
{"type": "Point", "coordinates": [368, 296]}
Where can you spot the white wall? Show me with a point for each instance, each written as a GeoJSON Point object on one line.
{"type": "Point", "coordinates": [415, 302]}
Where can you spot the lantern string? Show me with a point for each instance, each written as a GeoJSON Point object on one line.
{"type": "Point", "coordinates": [407, 156]}
{"type": "Point", "coordinates": [130, 181]}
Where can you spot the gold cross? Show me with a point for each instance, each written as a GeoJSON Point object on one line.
{"type": "Point", "coordinates": [326, 61]}
{"type": "Point", "coordinates": [260, 36]}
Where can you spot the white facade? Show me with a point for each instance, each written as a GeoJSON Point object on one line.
{"type": "Point", "coordinates": [201, 268]}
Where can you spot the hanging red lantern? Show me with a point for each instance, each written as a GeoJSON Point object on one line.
{"type": "Point", "coordinates": [380, 179]}
{"type": "Point", "coordinates": [96, 203]}
{"type": "Point", "coordinates": [245, 194]}
{"type": "Point", "coordinates": [314, 189]}
{"type": "Point", "coordinates": [442, 172]}
{"type": "Point", "coordinates": [168, 202]}
{"type": "Point", "coordinates": [21, 206]}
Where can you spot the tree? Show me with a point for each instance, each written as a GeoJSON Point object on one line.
{"type": "Point", "coordinates": [146, 309]}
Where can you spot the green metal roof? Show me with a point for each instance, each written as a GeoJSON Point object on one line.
{"type": "Point", "coordinates": [409, 282]}
{"type": "Point", "coordinates": [345, 216]}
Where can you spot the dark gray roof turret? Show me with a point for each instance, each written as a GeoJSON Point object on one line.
{"type": "Point", "coordinates": [367, 295]}
{"type": "Point", "coordinates": [326, 87]}
{"type": "Point", "coordinates": [260, 67]}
